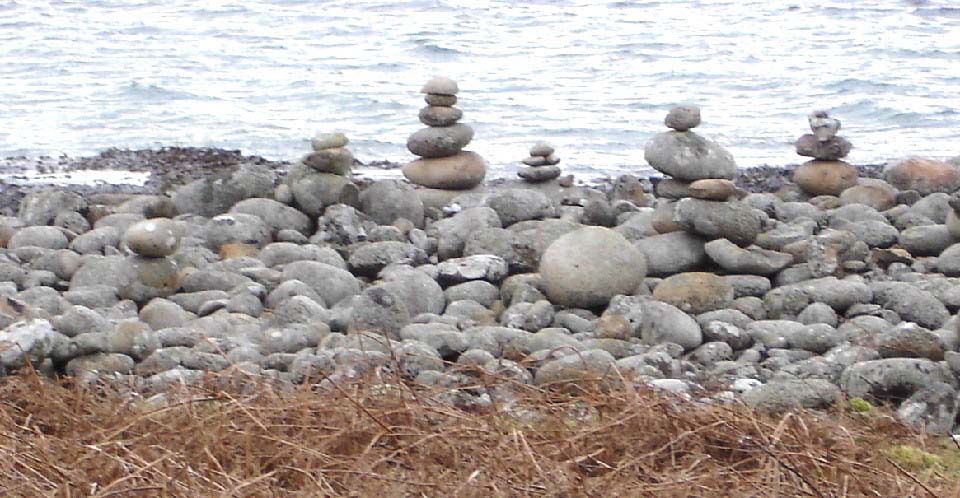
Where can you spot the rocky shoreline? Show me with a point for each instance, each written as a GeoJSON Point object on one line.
{"type": "Point", "coordinates": [221, 262]}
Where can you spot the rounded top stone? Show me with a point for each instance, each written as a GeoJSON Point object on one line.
{"type": "Point", "coordinates": [440, 86]}
{"type": "Point", "coordinates": [541, 149]}
{"type": "Point", "coordinates": [683, 117]}
{"type": "Point", "coordinates": [155, 238]}
{"type": "Point", "coordinates": [323, 141]}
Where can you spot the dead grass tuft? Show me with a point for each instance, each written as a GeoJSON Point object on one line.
{"type": "Point", "coordinates": [367, 439]}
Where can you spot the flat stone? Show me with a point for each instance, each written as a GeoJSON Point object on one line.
{"type": "Point", "coordinates": [712, 189]}
{"type": "Point", "coordinates": [751, 261]}
{"type": "Point", "coordinates": [830, 150]}
{"type": "Point", "coordinates": [461, 171]}
{"type": "Point", "coordinates": [157, 237]}
{"type": "Point", "coordinates": [435, 115]}
{"type": "Point", "coordinates": [825, 177]}
{"type": "Point", "coordinates": [323, 141]}
{"type": "Point", "coordinates": [926, 176]}
{"type": "Point", "coordinates": [687, 156]}
{"type": "Point", "coordinates": [683, 117]}
{"type": "Point", "coordinates": [440, 85]}
{"type": "Point", "coordinates": [336, 160]}
{"type": "Point", "coordinates": [441, 141]}
{"type": "Point", "coordinates": [538, 174]}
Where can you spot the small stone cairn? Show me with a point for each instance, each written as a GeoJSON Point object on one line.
{"type": "Point", "coordinates": [330, 154]}
{"type": "Point", "coordinates": [541, 165]}
{"type": "Point", "coordinates": [443, 163]}
{"type": "Point", "coordinates": [700, 174]}
{"type": "Point", "coordinates": [826, 174]}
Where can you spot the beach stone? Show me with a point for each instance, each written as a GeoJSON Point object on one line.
{"type": "Point", "coordinates": [237, 228]}
{"type": "Point", "coordinates": [638, 226]}
{"type": "Point", "coordinates": [823, 126]}
{"type": "Point", "coordinates": [713, 189]}
{"type": "Point", "coordinates": [672, 253]}
{"type": "Point", "coordinates": [47, 237]}
{"type": "Point", "coordinates": [687, 156]}
{"type": "Point", "coordinates": [479, 267]}
{"type": "Point", "coordinates": [72, 221]}
{"type": "Point", "coordinates": [733, 335]}
{"type": "Point", "coordinates": [480, 291]}
{"type": "Point", "coordinates": [953, 225]}
{"type": "Point", "coordinates": [155, 238]}
{"type": "Point", "coordinates": [594, 364]}
{"type": "Point", "coordinates": [336, 161]}
{"type": "Point", "coordinates": [323, 141]}
{"type": "Point", "coordinates": [296, 310]}
{"type": "Point", "coordinates": [332, 283]}
{"type": "Point", "coordinates": [542, 149]}
{"type": "Point", "coordinates": [587, 267]}
{"type": "Point", "coordinates": [911, 303]}
{"type": "Point", "coordinates": [670, 188]}
{"type": "Point", "coordinates": [440, 142]}
{"type": "Point", "coordinates": [910, 341]}
{"type": "Point", "coordinates": [832, 149]}
{"type": "Point", "coordinates": [453, 232]}
{"type": "Point", "coordinates": [31, 339]}
{"type": "Point", "coordinates": [733, 221]}
{"type": "Point", "coordinates": [100, 364]}
{"type": "Point", "coordinates": [121, 221]}
{"type": "Point", "coordinates": [313, 192]}
{"type": "Point", "coordinates": [891, 378]}
{"type": "Point", "coordinates": [818, 313]}
{"type": "Point", "coordinates": [276, 215]}
{"type": "Point", "coordinates": [783, 395]}
{"type": "Point", "coordinates": [825, 177]}
{"type": "Point", "coordinates": [683, 117]}
{"type": "Point", "coordinates": [694, 293]}
{"type": "Point", "coordinates": [926, 176]}
{"type": "Point", "coordinates": [929, 240]}
{"type": "Point", "coordinates": [142, 279]}
{"type": "Point", "coordinates": [838, 294]}
{"type": "Point", "coordinates": [41, 208]}
{"type": "Point", "coordinates": [96, 241]}
{"type": "Point", "coordinates": [162, 313]}
{"type": "Point", "coordinates": [214, 195]}
{"type": "Point", "coordinates": [663, 323]}
{"type": "Point", "coordinates": [629, 188]}
{"type": "Point", "coordinates": [341, 225]}
{"type": "Point", "coordinates": [540, 160]}
{"type": "Point", "coordinates": [516, 205]}
{"type": "Point", "coordinates": [369, 258]}
{"type": "Point", "coordinates": [932, 408]}
{"type": "Point", "coordinates": [281, 253]}
{"type": "Point", "coordinates": [440, 85]}
{"type": "Point", "coordinates": [934, 206]}
{"type": "Point", "coordinates": [386, 201]}
{"type": "Point", "coordinates": [748, 285]}
{"type": "Point", "coordinates": [531, 317]}
{"type": "Point", "coordinates": [461, 171]}
{"type": "Point", "coordinates": [440, 115]}
{"type": "Point", "coordinates": [750, 261]}
{"type": "Point", "coordinates": [948, 262]}
{"type": "Point", "coordinates": [538, 174]}
{"type": "Point", "coordinates": [440, 100]}
{"type": "Point", "coordinates": [662, 218]}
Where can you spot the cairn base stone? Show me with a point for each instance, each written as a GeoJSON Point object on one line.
{"type": "Point", "coordinates": [825, 177]}
{"type": "Point", "coordinates": [458, 172]}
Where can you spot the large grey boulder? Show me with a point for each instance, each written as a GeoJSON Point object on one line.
{"type": "Point", "coordinates": [892, 378]}
{"type": "Point", "coordinates": [313, 192]}
{"type": "Point", "coordinates": [734, 221]}
{"type": "Point", "coordinates": [46, 237]}
{"type": "Point", "coordinates": [838, 294]}
{"type": "Point", "coordinates": [671, 253]}
{"type": "Point", "coordinates": [933, 408]}
{"type": "Point", "coordinates": [277, 216]}
{"type": "Point", "coordinates": [452, 233]}
{"type": "Point", "coordinates": [386, 200]}
{"type": "Point", "coordinates": [42, 208]}
{"type": "Point", "coordinates": [332, 283]}
{"type": "Point", "coordinates": [418, 291]}
{"type": "Point", "coordinates": [787, 394]}
{"type": "Point", "coordinates": [688, 156]}
{"type": "Point", "coordinates": [282, 253]}
{"type": "Point", "coordinates": [215, 195]}
{"type": "Point", "coordinates": [515, 205]}
{"type": "Point", "coordinates": [367, 259]}
{"type": "Point", "coordinates": [587, 267]}
{"type": "Point", "coordinates": [341, 224]}
{"type": "Point", "coordinates": [928, 240]}
{"type": "Point", "coordinates": [911, 303]}
{"type": "Point", "coordinates": [590, 365]}
{"type": "Point", "coordinates": [663, 323]}
{"type": "Point", "coordinates": [237, 228]}
{"type": "Point", "coordinates": [32, 339]}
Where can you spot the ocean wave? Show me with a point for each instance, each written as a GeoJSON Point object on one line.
{"type": "Point", "coordinates": [154, 92]}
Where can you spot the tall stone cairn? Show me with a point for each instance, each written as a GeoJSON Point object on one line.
{"type": "Point", "coordinates": [443, 163]}
{"type": "Point", "coordinates": [826, 174]}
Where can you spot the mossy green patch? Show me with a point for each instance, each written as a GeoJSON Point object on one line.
{"type": "Point", "coordinates": [859, 405]}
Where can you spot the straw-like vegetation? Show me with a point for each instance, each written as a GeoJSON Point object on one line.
{"type": "Point", "coordinates": [377, 438]}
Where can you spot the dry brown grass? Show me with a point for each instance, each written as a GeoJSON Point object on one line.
{"type": "Point", "coordinates": [362, 439]}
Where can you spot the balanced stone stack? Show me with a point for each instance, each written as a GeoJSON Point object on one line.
{"type": "Point", "coordinates": [443, 163]}
{"type": "Point", "coordinates": [826, 174]}
{"type": "Point", "coordinates": [541, 166]}
{"type": "Point", "coordinates": [700, 174]}
{"type": "Point", "coordinates": [151, 272]}
{"type": "Point", "coordinates": [322, 178]}
{"type": "Point", "coordinates": [330, 154]}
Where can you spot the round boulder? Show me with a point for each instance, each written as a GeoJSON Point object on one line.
{"type": "Point", "coordinates": [460, 171]}
{"type": "Point", "coordinates": [587, 267]}
{"type": "Point", "coordinates": [155, 238]}
{"type": "Point", "coordinates": [877, 194]}
{"type": "Point", "coordinates": [923, 175]}
{"type": "Point", "coordinates": [825, 177]}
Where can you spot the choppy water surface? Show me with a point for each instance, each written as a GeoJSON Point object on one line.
{"type": "Point", "coordinates": [593, 77]}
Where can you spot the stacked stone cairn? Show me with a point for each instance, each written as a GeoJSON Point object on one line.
{"type": "Point", "coordinates": [443, 163]}
{"type": "Point", "coordinates": [322, 178]}
{"type": "Point", "coordinates": [826, 174]}
{"type": "Point", "coordinates": [699, 183]}
{"type": "Point", "coordinates": [541, 165]}
{"type": "Point", "coordinates": [330, 154]}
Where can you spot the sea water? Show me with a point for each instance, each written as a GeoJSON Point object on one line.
{"type": "Point", "coordinates": [595, 78]}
